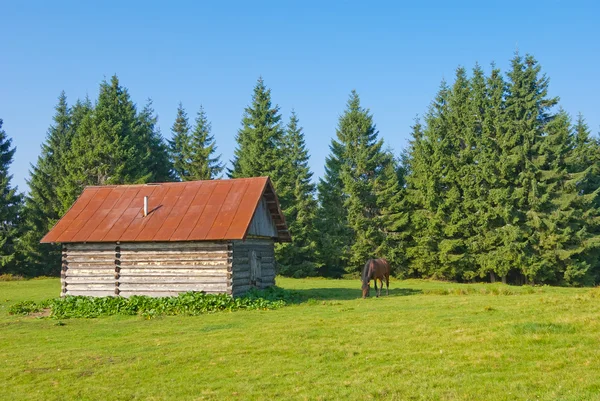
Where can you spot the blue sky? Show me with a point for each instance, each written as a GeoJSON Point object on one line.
{"type": "Point", "coordinates": [310, 53]}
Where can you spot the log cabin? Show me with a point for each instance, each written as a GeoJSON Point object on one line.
{"type": "Point", "coordinates": [163, 239]}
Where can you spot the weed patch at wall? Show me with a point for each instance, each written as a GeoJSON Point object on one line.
{"type": "Point", "coordinates": [187, 304]}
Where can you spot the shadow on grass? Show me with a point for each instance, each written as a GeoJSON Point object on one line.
{"type": "Point", "coordinates": [327, 294]}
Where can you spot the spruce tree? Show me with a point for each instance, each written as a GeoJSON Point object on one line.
{"type": "Point", "coordinates": [495, 233]}
{"type": "Point", "coordinates": [427, 187]}
{"type": "Point", "coordinates": [179, 144]}
{"type": "Point", "coordinates": [585, 157]}
{"type": "Point", "coordinates": [420, 250]}
{"type": "Point", "coordinates": [361, 181]}
{"type": "Point", "coordinates": [499, 184]}
{"type": "Point", "coordinates": [458, 149]}
{"type": "Point", "coordinates": [363, 164]}
{"type": "Point", "coordinates": [80, 110]}
{"type": "Point", "coordinates": [108, 147]}
{"type": "Point", "coordinates": [568, 237]}
{"type": "Point", "coordinates": [334, 234]}
{"type": "Point", "coordinates": [584, 166]}
{"type": "Point", "coordinates": [298, 257]}
{"type": "Point", "coordinates": [156, 152]}
{"type": "Point", "coordinates": [10, 205]}
{"type": "Point", "coordinates": [393, 219]}
{"type": "Point", "coordinates": [528, 111]}
{"type": "Point", "coordinates": [559, 228]}
{"type": "Point", "coordinates": [193, 151]}
{"type": "Point", "coordinates": [204, 164]}
{"type": "Point", "coordinates": [68, 189]}
{"type": "Point", "coordinates": [43, 206]}
{"type": "Point", "coordinates": [259, 152]}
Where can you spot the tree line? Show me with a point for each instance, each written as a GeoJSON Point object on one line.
{"type": "Point", "coordinates": [497, 182]}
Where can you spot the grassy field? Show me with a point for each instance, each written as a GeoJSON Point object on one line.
{"type": "Point", "coordinates": [426, 341]}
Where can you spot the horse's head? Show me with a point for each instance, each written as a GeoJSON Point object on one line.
{"type": "Point", "coordinates": [366, 289]}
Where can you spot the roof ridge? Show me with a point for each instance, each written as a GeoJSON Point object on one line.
{"type": "Point", "coordinates": [264, 177]}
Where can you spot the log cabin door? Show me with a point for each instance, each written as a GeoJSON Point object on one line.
{"type": "Point", "coordinates": [255, 269]}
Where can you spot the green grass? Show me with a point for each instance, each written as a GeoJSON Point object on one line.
{"type": "Point", "coordinates": [426, 341]}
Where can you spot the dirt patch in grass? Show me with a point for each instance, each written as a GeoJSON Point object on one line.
{"type": "Point", "coordinates": [42, 313]}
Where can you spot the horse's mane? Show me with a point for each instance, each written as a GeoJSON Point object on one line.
{"type": "Point", "coordinates": [365, 272]}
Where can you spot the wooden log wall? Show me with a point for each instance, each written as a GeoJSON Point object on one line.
{"type": "Point", "coordinates": [148, 268]}
{"type": "Point", "coordinates": [244, 268]}
{"type": "Point", "coordinates": [89, 269]}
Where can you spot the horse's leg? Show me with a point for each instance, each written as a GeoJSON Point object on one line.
{"type": "Point", "coordinates": [375, 284]}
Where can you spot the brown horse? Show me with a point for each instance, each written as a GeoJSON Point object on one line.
{"type": "Point", "coordinates": [375, 269]}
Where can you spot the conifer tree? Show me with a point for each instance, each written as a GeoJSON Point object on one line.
{"type": "Point", "coordinates": [205, 165]}
{"type": "Point", "coordinates": [67, 189]}
{"type": "Point", "coordinates": [498, 184]}
{"type": "Point", "coordinates": [108, 147]}
{"type": "Point", "coordinates": [298, 257]}
{"type": "Point", "coordinates": [156, 157]}
{"type": "Point", "coordinates": [458, 149]}
{"type": "Point", "coordinates": [559, 228]}
{"type": "Point", "coordinates": [360, 182]}
{"type": "Point", "coordinates": [494, 238]}
{"type": "Point", "coordinates": [427, 186]}
{"type": "Point", "coordinates": [43, 205]}
{"type": "Point", "coordinates": [258, 151]}
{"type": "Point", "coordinates": [584, 166]}
{"type": "Point", "coordinates": [193, 151]}
{"type": "Point", "coordinates": [420, 252]}
{"type": "Point", "coordinates": [585, 157]}
{"type": "Point", "coordinates": [334, 234]}
{"type": "Point", "coordinates": [363, 164]}
{"type": "Point", "coordinates": [10, 205]}
{"type": "Point", "coordinates": [568, 238]}
{"type": "Point", "coordinates": [528, 111]}
{"type": "Point", "coordinates": [393, 219]}
{"type": "Point", "coordinates": [80, 110]}
{"type": "Point", "coordinates": [179, 144]}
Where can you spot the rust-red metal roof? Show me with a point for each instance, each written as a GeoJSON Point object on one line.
{"type": "Point", "coordinates": [177, 211]}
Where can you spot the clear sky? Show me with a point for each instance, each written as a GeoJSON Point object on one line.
{"type": "Point", "coordinates": [310, 53]}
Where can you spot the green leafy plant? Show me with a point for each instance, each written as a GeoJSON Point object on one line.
{"type": "Point", "coordinates": [27, 307]}
{"type": "Point", "coordinates": [187, 304]}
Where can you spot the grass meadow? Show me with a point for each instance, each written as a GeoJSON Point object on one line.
{"type": "Point", "coordinates": [425, 341]}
